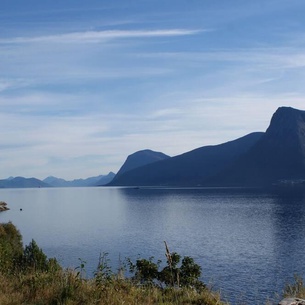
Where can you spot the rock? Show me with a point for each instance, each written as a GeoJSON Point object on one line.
{"type": "Point", "coordinates": [3, 206]}
{"type": "Point", "coordinates": [292, 301]}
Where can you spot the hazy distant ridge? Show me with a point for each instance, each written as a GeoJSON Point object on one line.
{"type": "Point", "coordinates": [21, 182]}
{"type": "Point", "coordinates": [91, 181]}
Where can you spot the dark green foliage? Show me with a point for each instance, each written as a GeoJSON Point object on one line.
{"type": "Point", "coordinates": [172, 275]}
{"type": "Point", "coordinates": [33, 257]}
{"type": "Point", "coordinates": [14, 258]}
{"type": "Point", "coordinates": [146, 271]}
{"type": "Point", "coordinates": [190, 273]}
{"type": "Point", "coordinates": [10, 246]}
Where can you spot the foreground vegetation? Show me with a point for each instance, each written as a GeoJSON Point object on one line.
{"type": "Point", "coordinates": [27, 276]}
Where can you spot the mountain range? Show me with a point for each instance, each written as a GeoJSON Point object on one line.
{"type": "Point", "coordinates": [22, 182]}
{"type": "Point", "coordinates": [91, 181]}
{"type": "Point", "coordinates": [259, 159]}
{"type": "Point", "coordinates": [188, 169]}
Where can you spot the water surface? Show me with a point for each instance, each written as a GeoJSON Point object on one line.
{"type": "Point", "coordinates": [248, 243]}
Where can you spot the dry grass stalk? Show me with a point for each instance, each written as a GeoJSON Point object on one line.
{"type": "Point", "coordinates": [168, 255]}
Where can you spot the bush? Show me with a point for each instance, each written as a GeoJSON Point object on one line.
{"type": "Point", "coordinates": [172, 275]}
{"type": "Point", "coordinates": [34, 258]}
{"type": "Point", "coordinates": [29, 280]}
{"type": "Point", "coordinates": [10, 246]}
{"type": "Point", "coordinates": [14, 258]}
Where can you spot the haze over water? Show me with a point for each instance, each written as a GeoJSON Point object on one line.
{"type": "Point", "coordinates": [248, 243]}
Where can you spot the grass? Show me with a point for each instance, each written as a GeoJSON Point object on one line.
{"type": "Point", "coordinates": [28, 277]}
{"type": "Point", "coordinates": [295, 289]}
{"type": "Point", "coordinates": [65, 287]}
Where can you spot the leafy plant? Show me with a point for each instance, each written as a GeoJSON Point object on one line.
{"type": "Point", "coordinates": [174, 274]}
{"type": "Point", "coordinates": [27, 276]}
{"type": "Point", "coordinates": [33, 257]}
{"type": "Point", "coordinates": [103, 272]}
{"type": "Point", "coordinates": [10, 246]}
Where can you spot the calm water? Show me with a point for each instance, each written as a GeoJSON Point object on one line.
{"type": "Point", "coordinates": [249, 244]}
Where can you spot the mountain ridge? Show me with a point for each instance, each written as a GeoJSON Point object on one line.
{"type": "Point", "coordinates": [278, 156]}
{"type": "Point", "coordinates": [21, 182]}
{"type": "Point", "coordinates": [90, 181]}
{"type": "Point", "coordinates": [141, 158]}
{"type": "Point", "coordinates": [186, 169]}
{"type": "Point", "coordinates": [254, 160]}
{"type": "Point", "coordinates": [272, 157]}
{"type": "Point", "coordinates": [51, 181]}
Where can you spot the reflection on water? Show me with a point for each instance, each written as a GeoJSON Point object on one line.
{"type": "Point", "coordinates": [248, 243]}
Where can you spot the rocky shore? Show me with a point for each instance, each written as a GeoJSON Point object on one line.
{"type": "Point", "coordinates": [292, 301]}
{"type": "Point", "coordinates": [3, 206]}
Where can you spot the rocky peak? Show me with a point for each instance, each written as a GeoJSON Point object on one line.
{"type": "Point", "coordinates": [287, 121]}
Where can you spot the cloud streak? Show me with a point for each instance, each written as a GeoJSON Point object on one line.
{"type": "Point", "coordinates": [77, 102]}
{"type": "Point", "coordinates": [100, 36]}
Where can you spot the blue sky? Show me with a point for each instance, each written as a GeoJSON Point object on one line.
{"type": "Point", "coordinates": [83, 84]}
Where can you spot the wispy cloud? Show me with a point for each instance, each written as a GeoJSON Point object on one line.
{"type": "Point", "coordinates": [142, 76]}
{"type": "Point", "coordinates": [277, 58]}
{"type": "Point", "coordinates": [100, 36]}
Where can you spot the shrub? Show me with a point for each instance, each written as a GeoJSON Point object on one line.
{"type": "Point", "coordinates": [172, 275]}
{"type": "Point", "coordinates": [10, 246]}
{"type": "Point", "coordinates": [34, 258]}
{"type": "Point", "coordinates": [31, 281]}
{"type": "Point", "coordinates": [14, 258]}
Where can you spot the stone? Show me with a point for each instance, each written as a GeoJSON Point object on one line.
{"type": "Point", "coordinates": [292, 301]}
{"type": "Point", "coordinates": [3, 206]}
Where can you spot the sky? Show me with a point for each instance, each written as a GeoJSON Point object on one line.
{"type": "Point", "coordinates": [83, 84]}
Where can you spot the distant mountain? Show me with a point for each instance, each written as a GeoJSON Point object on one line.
{"type": "Point", "coordinates": [277, 158]}
{"type": "Point", "coordinates": [105, 179]}
{"type": "Point", "coordinates": [91, 181]}
{"type": "Point", "coordinates": [53, 181]}
{"type": "Point", "coordinates": [138, 159]}
{"type": "Point", "coordinates": [21, 182]}
{"type": "Point", "coordinates": [189, 169]}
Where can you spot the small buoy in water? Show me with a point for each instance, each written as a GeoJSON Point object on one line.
{"type": "Point", "coordinates": [20, 209]}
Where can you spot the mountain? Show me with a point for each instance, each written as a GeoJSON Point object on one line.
{"type": "Point", "coordinates": [138, 159]}
{"type": "Point", "coordinates": [105, 179]}
{"type": "Point", "coordinates": [189, 169]}
{"type": "Point", "coordinates": [91, 181]}
{"type": "Point", "coordinates": [21, 182]}
{"type": "Point", "coordinates": [277, 157]}
{"type": "Point", "coordinates": [53, 181]}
